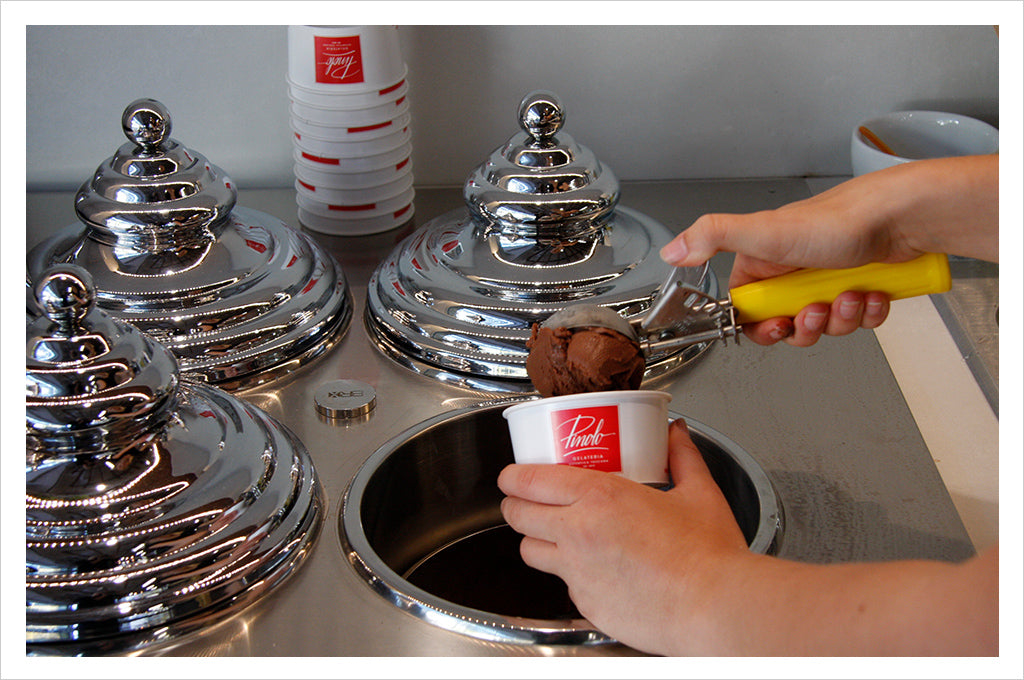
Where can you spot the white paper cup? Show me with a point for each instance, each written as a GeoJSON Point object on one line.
{"type": "Point", "coordinates": [354, 211]}
{"type": "Point", "coordinates": [322, 115]}
{"type": "Point", "coordinates": [333, 148]}
{"type": "Point", "coordinates": [623, 432]}
{"type": "Point", "coordinates": [319, 174]}
{"type": "Point", "coordinates": [358, 133]}
{"type": "Point", "coordinates": [344, 58]}
{"type": "Point", "coordinates": [361, 196]}
{"type": "Point", "coordinates": [356, 226]}
{"type": "Point", "coordinates": [389, 159]}
{"type": "Point", "coordinates": [345, 100]}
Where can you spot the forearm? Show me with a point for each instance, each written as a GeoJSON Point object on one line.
{"type": "Point", "coordinates": [762, 608]}
{"type": "Point", "coordinates": [948, 205]}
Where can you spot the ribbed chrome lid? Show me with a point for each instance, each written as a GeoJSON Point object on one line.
{"type": "Point", "coordinates": [538, 182]}
{"type": "Point", "coordinates": [154, 506]}
{"type": "Point", "coordinates": [92, 382]}
{"type": "Point", "coordinates": [541, 229]}
{"type": "Point", "coordinates": [237, 295]}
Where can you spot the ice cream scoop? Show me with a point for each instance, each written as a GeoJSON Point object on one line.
{"type": "Point", "coordinates": [681, 315]}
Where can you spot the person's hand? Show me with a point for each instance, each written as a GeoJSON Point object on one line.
{"type": "Point", "coordinates": [947, 205]}
{"type": "Point", "coordinates": [638, 561]}
{"type": "Point", "coordinates": [669, 572]}
{"type": "Point", "coordinates": [817, 232]}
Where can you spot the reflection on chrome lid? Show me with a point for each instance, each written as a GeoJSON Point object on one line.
{"type": "Point", "coordinates": [154, 506]}
{"type": "Point", "coordinates": [542, 229]}
{"type": "Point", "coordinates": [237, 295]}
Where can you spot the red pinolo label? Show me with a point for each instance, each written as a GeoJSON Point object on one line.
{"type": "Point", "coordinates": [588, 437]}
{"type": "Point", "coordinates": [339, 61]}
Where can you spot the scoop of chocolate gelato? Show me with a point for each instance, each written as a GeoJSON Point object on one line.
{"type": "Point", "coordinates": [582, 359]}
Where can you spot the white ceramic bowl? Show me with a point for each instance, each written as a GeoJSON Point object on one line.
{"type": "Point", "coordinates": [355, 226]}
{"type": "Point", "coordinates": [334, 176]}
{"type": "Point", "coordinates": [622, 431]}
{"type": "Point", "coordinates": [344, 58]}
{"type": "Point", "coordinates": [916, 135]}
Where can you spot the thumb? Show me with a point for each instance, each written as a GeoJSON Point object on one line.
{"type": "Point", "coordinates": [686, 464]}
{"type": "Point", "coordinates": [704, 238]}
{"type": "Point", "coordinates": [750, 233]}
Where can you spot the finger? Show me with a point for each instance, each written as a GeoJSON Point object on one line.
{"type": "Point", "coordinates": [531, 519]}
{"type": "Point", "coordinates": [540, 554]}
{"type": "Point", "coordinates": [713, 233]}
{"type": "Point", "coordinates": [809, 324]}
{"type": "Point", "coordinates": [846, 313]}
{"type": "Point", "coordinates": [686, 463]}
{"type": "Point", "coordinates": [548, 484]}
{"type": "Point", "coordinates": [769, 332]}
{"type": "Point", "coordinates": [876, 309]}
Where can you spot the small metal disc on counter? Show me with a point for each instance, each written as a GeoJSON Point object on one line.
{"type": "Point", "coordinates": [237, 295]}
{"type": "Point", "coordinates": [156, 507]}
{"type": "Point", "coordinates": [541, 230]}
{"type": "Point", "coordinates": [345, 399]}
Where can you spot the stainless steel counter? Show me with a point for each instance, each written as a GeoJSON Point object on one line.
{"type": "Point", "coordinates": [828, 423]}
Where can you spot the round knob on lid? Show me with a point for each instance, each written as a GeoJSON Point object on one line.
{"type": "Point", "coordinates": [65, 294]}
{"type": "Point", "coordinates": [541, 115]}
{"type": "Point", "coordinates": [147, 122]}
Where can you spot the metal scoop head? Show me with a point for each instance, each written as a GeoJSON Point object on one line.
{"type": "Point", "coordinates": [681, 309]}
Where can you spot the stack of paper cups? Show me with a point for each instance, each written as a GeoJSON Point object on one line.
{"type": "Point", "coordinates": [349, 117]}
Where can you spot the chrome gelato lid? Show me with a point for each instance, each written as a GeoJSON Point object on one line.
{"type": "Point", "coordinates": [541, 229]}
{"type": "Point", "coordinates": [154, 506]}
{"type": "Point", "coordinates": [539, 183]}
{"type": "Point", "coordinates": [238, 296]}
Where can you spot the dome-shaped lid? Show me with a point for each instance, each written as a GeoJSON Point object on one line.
{"type": "Point", "coordinates": [542, 181]}
{"type": "Point", "coordinates": [541, 230]}
{"type": "Point", "coordinates": [237, 295]}
{"type": "Point", "coordinates": [154, 506]}
{"type": "Point", "coordinates": [154, 192]}
{"type": "Point", "coordinates": [92, 382]}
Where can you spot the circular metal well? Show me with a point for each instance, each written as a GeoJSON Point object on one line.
{"type": "Point", "coordinates": [421, 523]}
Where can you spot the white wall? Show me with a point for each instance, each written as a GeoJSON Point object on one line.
{"type": "Point", "coordinates": [654, 102]}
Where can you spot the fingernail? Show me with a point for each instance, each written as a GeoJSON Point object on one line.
{"type": "Point", "coordinates": [814, 321]}
{"type": "Point", "coordinates": [674, 251]}
{"type": "Point", "coordinates": [849, 309]}
{"type": "Point", "coordinates": [874, 308]}
{"type": "Point", "coordinates": [780, 332]}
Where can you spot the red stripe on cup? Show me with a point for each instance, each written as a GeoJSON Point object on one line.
{"type": "Point", "coordinates": [308, 186]}
{"type": "Point", "coordinates": [393, 87]}
{"type": "Point", "coordinates": [367, 128]}
{"type": "Point", "coordinates": [402, 164]}
{"type": "Point", "coordinates": [319, 159]}
{"type": "Point", "coordinates": [398, 102]}
{"type": "Point", "coordinates": [297, 135]}
{"type": "Point", "coordinates": [399, 213]}
{"type": "Point", "coordinates": [350, 208]}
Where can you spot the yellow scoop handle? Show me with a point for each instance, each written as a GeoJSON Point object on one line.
{"type": "Point", "coordinates": [787, 294]}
